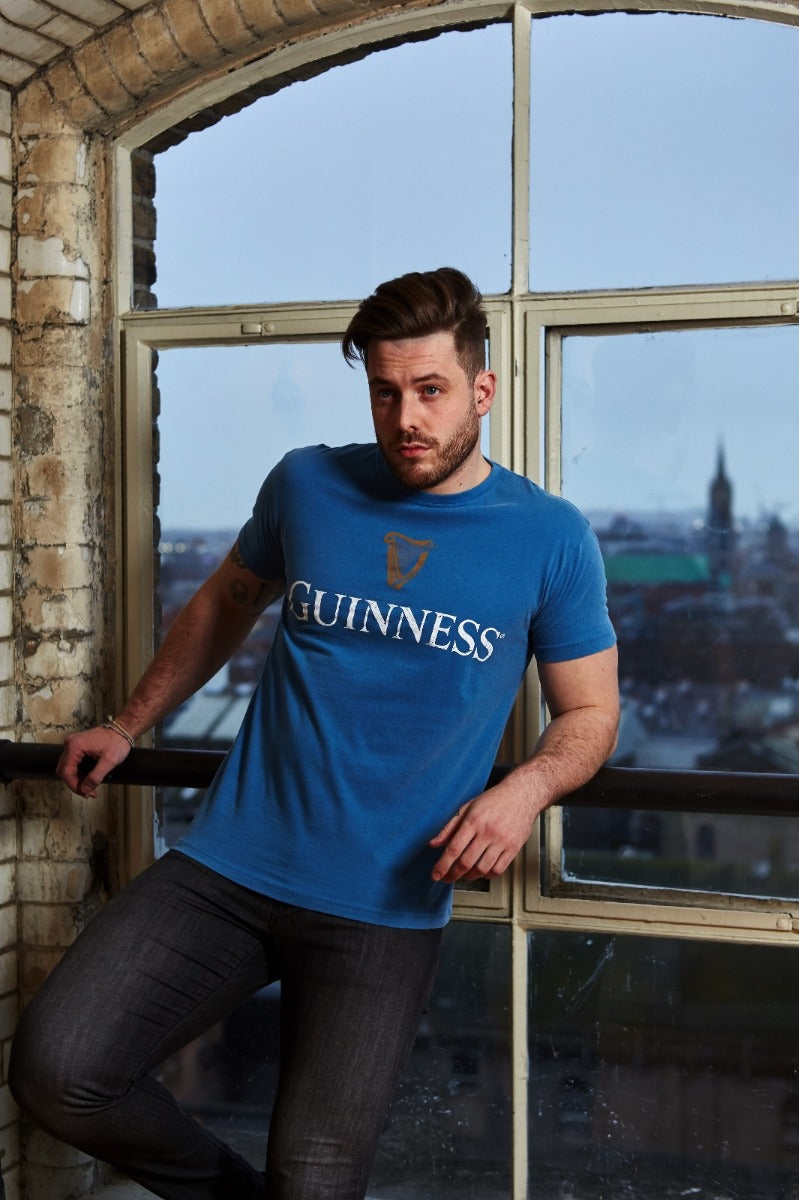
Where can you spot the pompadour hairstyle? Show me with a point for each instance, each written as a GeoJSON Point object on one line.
{"type": "Point", "coordinates": [418, 304]}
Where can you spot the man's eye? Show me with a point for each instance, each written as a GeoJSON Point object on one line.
{"type": "Point", "coordinates": [431, 390]}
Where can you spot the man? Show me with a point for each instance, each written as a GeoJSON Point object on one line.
{"type": "Point", "coordinates": [418, 580]}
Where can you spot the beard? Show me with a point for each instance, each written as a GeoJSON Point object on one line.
{"type": "Point", "coordinates": [441, 463]}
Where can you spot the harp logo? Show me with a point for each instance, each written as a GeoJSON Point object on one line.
{"type": "Point", "coordinates": [406, 557]}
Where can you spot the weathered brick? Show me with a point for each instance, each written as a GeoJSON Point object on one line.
{"type": "Point", "coordinates": [69, 349]}
{"type": "Point", "coordinates": [62, 660]}
{"type": "Point", "coordinates": [49, 882]}
{"type": "Point", "coordinates": [8, 834]}
{"type": "Point", "coordinates": [35, 110]}
{"type": "Point", "coordinates": [45, 613]}
{"type": "Point", "coordinates": [8, 925]}
{"type": "Point", "coordinates": [298, 12]}
{"type": "Point", "coordinates": [69, 838]}
{"type": "Point", "coordinates": [46, 301]}
{"type": "Point", "coordinates": [61, 159]}
{"type": "Point", "coordinates": [6, 160]}
{"type": "Point", "coordinates": [38, 800]}
{"type": "Point", "coordinates": [122, 48]}
{"type": "Point", "coordinates": [190, 31]}
{"type": "Point", "coordinates": [263, 16]}
{"type": "Point", "coordinates": [44, 257]}
{"type": "Point", "coordinates": [7, 882]}
{"type": "Point", "coordinates": [8, 705]}
{"type": "Point", "coordinates": [66, 211]}
{"type": "Point", "coordinates": [67, 29]}
{"type": "Point", "coordinates": [64, 518]}
{"type": "Point", "coordinates": [34, 832]}
{"type": "Point", "coordinates": [226, 24]}
{"type": "Point", "coordinates": [64, 704]}
{"type": "Point", "coordinates": [9, 971]}
{"type": "Point", "coordinates": [157, 44]}
{"type": "Point", "coordinates": [6, 653]}
{"type": "Point", "coordinates": [48, 925]}
{"type": "Point", "coordinates": [35, 965]}
{"type": "Point", "coordinates": [8, 803]}
{"type": "Point", "coordinates": [6, 205]}
{"type": "Point", "coordinates": [9, 1013]}
{"type": "Point", "coordinates": [80, 107]}
{"type": "Point", "coordinates": [98, 78]}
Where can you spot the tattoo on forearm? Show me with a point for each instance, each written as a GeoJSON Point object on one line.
{"type": "Point", "coordinates": [239, 592]}
{"type": "Point", "coordinates": [235, 556]}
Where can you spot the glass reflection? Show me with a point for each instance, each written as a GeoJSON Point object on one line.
{"type": "Point", "coordinates": [681, 448]}
{"type": "Point", "coordinates": [662, 1069]}
{"type": "Point", "coordinates": [448, 1135]}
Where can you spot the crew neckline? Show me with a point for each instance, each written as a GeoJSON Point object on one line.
{"type": "Point", "coordinates": [425, 499]}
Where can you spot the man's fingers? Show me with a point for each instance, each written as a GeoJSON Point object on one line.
{"type": "Point", "coordinates": [452, 824]}
{"type": "Point", "coordinates": [460, 856]}
{"type": "Point", "coordinates": [87, 759]}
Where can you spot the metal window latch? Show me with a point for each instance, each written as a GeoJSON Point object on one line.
{"type": "Point", "coordinates": [258, 327]}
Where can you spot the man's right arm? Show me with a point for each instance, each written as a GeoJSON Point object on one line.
{"type": "Point", "coordinates": [201, 639]}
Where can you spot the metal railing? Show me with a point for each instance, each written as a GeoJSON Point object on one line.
{"type": "Point", "coordinates": [612, 787]}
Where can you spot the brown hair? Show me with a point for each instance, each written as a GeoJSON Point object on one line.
{"type": "Point", "coordinates": [418, 304]}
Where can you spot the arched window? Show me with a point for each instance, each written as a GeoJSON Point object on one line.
{"type": "Point", "coordinates": [619, 186]}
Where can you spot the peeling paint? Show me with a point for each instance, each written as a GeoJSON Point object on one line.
{"type": "Point", "coordinates": [43, 257]}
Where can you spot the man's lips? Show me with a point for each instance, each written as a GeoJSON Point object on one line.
{"type": "Point", "coordinates": [412, 449]}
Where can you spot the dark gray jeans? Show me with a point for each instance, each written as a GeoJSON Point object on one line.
{"type": "Point", "coordinates": [167, 958]}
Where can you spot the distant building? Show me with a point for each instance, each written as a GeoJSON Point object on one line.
{"type": "Point", "coordinates": [720, 530]}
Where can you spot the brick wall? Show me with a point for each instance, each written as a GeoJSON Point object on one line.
{"type": "Point", "coordinates": [57, 506]}
{"type": "Point", "coordinates": [9, 1140]}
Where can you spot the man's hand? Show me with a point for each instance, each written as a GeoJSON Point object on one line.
{"type": "Point", "coordinates": [484, 836]}
{"type": "Point", "coordinates": [106, 747]}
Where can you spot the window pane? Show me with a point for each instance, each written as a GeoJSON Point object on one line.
{"type": "Point", "coordinates": [227, 415]}
{"type": "Point", "coordinates": [448, 1136]}
{"type": "Point", "coordinates": [398, 162]}
{"type": "Point", "coordinates": [662, 1069]}
{"type": "Point", "coordinates": [660, 151]}
{"type": "Point", "coordinates": [681, 447]}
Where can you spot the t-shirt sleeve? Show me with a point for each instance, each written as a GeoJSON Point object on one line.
{"type": "Point", "coordinates": [573, 620]}
{"type": "Point", "coordinates": [259, 541]}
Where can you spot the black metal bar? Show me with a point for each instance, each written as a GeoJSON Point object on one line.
{"type": "Point", "coordinates": [611, 787]}
{"type": "Point", "coordinates": [164, 768]}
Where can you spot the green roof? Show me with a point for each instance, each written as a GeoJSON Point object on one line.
{"type": "Point", "coordinates": [654, 569]}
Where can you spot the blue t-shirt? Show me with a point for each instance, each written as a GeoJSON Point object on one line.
{"type": "Point", "coordinates": [408, 622]}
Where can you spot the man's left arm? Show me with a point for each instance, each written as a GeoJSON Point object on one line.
{"type": "Point", "coordinates": [486, 834]}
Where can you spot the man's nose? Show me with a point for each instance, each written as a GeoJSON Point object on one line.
{"type": "Point", "coordinates": [408, 411]}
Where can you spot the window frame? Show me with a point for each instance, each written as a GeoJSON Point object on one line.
{"type": "Point", "coordinates": [525, 330]}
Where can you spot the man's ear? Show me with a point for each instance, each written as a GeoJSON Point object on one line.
{"type": "Point", "coordinates": [485, 388]}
